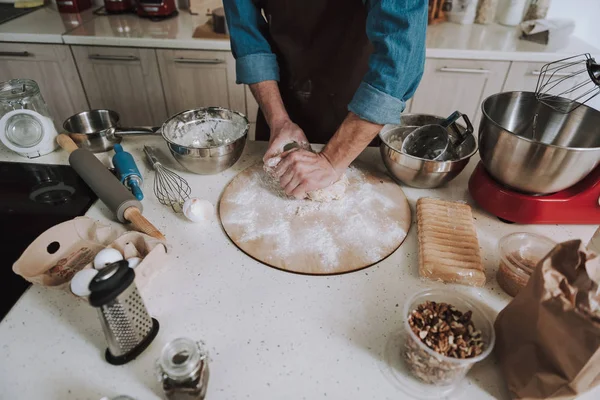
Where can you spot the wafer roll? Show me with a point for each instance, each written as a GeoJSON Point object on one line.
{"type": "Point", "coordinates": [448, 245]}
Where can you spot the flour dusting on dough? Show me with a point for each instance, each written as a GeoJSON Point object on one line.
{"type": "Point", "coordinates": [333, 192]}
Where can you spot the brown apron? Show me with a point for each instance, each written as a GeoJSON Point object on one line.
{"type": "Point", "coordinates": [323, 51]}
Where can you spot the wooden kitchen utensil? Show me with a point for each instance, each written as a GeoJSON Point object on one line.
{"type": "Point", "coordinates": [108, 188]}
{"type": "Point", "coordinates": [368, 224]}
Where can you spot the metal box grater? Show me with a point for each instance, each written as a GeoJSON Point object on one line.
{"type": "Point", "coordinates": [127, 326]}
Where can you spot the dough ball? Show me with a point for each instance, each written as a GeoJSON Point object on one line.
{"type": "Point", "coordinates": [334, 192]}
{"type": "Point", "coordinates": [330, 193]}
{"type": "Point", "coordinates": [270, 165]}
{"type": "Point", "coordinates": [197, 210]}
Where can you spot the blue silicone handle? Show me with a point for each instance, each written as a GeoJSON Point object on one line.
{"type": "Point", "coordinates": [127, 171]}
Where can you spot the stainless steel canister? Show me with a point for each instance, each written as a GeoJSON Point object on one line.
{"type": "Point", "coordinates": [127, 326]}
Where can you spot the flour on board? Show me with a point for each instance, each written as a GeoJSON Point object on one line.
{"type": "Point", "coordinates": [352, 225]}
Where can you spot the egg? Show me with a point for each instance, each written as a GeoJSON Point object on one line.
{"type": "Point", "coordinates": [134, 262]}
{"type": "Point", "coordinates": [80, 284]}
{"type": "Point", "coordinates": [107, 256]}
{"type": "Point", "coordinates": [198, 210]}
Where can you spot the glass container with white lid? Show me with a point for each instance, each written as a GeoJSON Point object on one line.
{"type": "Point", "coordinates": [25, 123]}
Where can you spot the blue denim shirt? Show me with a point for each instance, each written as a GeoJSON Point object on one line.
{"type": "Point", "coordinates": [396, 28]}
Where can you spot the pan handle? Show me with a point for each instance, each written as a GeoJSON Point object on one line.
{"type": "Point", "coordinates": [138, 131]}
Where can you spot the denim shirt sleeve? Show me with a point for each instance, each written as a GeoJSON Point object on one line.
{"type": "Point", "coordinates": [255, 62]}
{"type": "Point", "coordinates": [397, 30]}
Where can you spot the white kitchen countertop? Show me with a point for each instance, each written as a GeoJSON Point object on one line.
{"type": "Point", "coordinates": [445, 40]}
{"type": "Point", "coordinates": [271, 334]}
{"type": "Point", "coordinates": [45, 25]}
{"type": "Point", "coordinates": [496, 42]}
{"type": "Point", "coordinates": [132, 31]}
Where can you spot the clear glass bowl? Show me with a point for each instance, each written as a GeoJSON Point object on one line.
{"type": "Point", "coordinates": [519, 254]}
{"type": "Point", "coordinates": [441, 373]}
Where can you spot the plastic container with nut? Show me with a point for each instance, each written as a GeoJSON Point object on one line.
{"type": "Point", "coordinates": [438, 374]}
{"type": "Point", "coordinates": [519, 255]}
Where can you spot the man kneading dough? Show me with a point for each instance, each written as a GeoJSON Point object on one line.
{"type": "Point", "coordinates": [326, 71]}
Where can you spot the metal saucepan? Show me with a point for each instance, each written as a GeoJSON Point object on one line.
{"type": "Point", "coordinates": [534, 149]}
{"type": "Point", "coordinates": [203, 141]}
{"type": "Point", "coordinates": [98, 130]}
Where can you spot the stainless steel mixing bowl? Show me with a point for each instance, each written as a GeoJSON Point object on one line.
{"type": "Point", "coordinates": [418, 172]}
{"type": "Point", "coordinates": [206, 140]}
{"type": "Point", "coordinates": [534, 149]}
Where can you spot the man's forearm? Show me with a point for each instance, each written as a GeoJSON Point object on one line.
{"type": "Point", "coordinates": [269, 99]}
{"type": "Point", "coordinates": [351, 138]}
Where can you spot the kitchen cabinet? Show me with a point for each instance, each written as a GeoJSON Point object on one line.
{"type": "Point", "coordinates": [53, 68]}
{"type": "Point", "coordinates": [198, 78]}
{"type": "Point", "coordinates": [450, 85]}
{"type": "Point", "coordinates": [125, 80]}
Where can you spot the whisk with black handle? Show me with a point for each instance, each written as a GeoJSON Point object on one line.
{"type": "Point", "coordinates": [566, 84]}
{"type": "Point", "coordinates": [169, 188]}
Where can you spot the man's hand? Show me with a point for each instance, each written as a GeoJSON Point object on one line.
{"type": "Point", "coordinates": [282, 133]}
{"type": "Point", "coordinates": [301, 171]}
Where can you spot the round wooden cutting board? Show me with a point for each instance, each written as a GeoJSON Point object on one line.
{"type": "Point", "coordinates": [308, 237]}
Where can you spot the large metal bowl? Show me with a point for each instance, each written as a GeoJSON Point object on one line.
{"type": "Point", "coordinates": [534, 149]}
{"type": "Point", "coordinates": [418, 172]}
{"type": "Point", "coordinates": [206, 140]}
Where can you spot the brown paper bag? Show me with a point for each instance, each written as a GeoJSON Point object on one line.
{"type": "Point", "coordinates": [548, 337]}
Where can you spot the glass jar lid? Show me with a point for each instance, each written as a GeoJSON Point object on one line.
{"type": "Point", "coordinates": [16, 89]}
{"type": "Point", "coordinates": [182, 358]}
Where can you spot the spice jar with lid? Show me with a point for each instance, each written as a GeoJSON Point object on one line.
{"type": "Point", "coordinates": [183, 369]}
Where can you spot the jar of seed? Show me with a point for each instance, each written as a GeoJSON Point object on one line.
{"type": "Point", "coordinates": [183, 369]}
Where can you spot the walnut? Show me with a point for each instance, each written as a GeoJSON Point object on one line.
{"type": "Point", "coordinates": [448, 332]}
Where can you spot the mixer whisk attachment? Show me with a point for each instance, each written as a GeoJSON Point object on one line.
{"type": "Point", "coordinates": [566, 84]}
{"type": "Point", "coordinates": [169, 188]}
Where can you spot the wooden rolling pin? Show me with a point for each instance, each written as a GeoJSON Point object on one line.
{"type": "Point", "coordinates": [108, 188]}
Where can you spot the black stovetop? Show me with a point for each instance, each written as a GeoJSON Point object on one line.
{"type": "Point", "coordinates": [8, 12]}
{"type": "Point", "coordinates": [33, 198]}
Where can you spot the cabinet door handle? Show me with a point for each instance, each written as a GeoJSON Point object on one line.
{"type": "Point", "coordinates": [183, 60]}
{"type": "Point", "coordinates": [15, 54]}
{"type": "Point", "coordinates": [537, 72]}
{"type": "Point", "coordinates": [465, 70]}
{"type": "Point", "coordinates": [112, 58]}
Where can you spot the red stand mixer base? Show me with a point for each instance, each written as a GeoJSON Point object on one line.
{"type": "Point", "coordinates": [575, 205]}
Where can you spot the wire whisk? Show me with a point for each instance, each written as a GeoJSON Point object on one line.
{"type": "Point", "coordinates": [169, 188]}
{"type": "Point", "coordinates": [566, 84]}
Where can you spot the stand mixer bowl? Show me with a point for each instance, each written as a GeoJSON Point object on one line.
{"type": "Point", "coordinates": [535, 149]}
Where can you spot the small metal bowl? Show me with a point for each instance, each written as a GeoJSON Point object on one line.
{"type": "Point", "coordinates": [206, 140]}
{"type": "Point", "coordinates": [418, 172]}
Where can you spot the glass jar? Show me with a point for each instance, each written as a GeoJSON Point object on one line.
{"type": "Point", "coordinates": [510, 12]}
{"type": "Point", "coordinates": [486, 11]}
{"type": "Point", "coordinates": [538, 9]}
{"type": "Point", "coordinates": [21, 94]}
{"type": "Point", "coordinates": [25, 123]}
{"type": "Point", "coordinates": [183, 369]}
